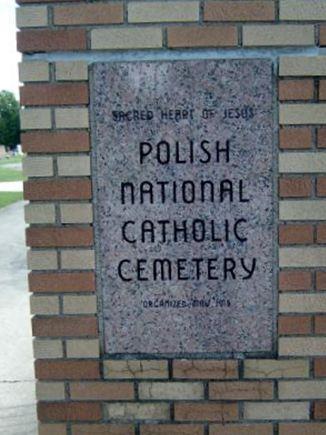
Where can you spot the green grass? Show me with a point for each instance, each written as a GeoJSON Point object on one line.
{"type": "Point", "coordinates": [9, 174]}
{"type": "Point", "coordinates": [7, 198]}
{"type": "Point", "coordinates": [16, 159]}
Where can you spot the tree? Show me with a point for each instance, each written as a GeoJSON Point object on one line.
{"type": "Point", "coordinates": [9, 120]}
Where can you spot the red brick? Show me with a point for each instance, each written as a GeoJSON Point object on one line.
{"type": "Point", "coordinates": [54, 94]}
{"type": "Point", "coordinates": [69, 411]}
{"type": "Point", "coordinates": [321, 280]}
{"type": "Point", "coordinates": [296, 90]}
{"type": "Point", "coordinates": [320, 367]}
{"type": "Point", "coordinates": [35, 41]}
{"type": "Point", "coordinates": [321, 233]}
{"type": "Point", "coordinates": [205, 369]}
{"type": "Point", "coordinates": [321, 186]}
{"type": "Point", "coordinates": [320, 410]}
{"type": "Point", "coordinates": [302, 428]}
{"type": "Point", "coordinates": [111, 13]}
{"type": "Point", "coordinates": [322, 90]}
{"type": "Point", "coordinates": [104, 429]}
{"type": "Point", "coordinates": [55, 141]}
{"type": "Point", "coordinates": [295, 138]}
{"type": "Point", "coordinates": [201, 36]}
{"type": "Point", "coordinates": [320, 324]}
{"type": "Point", "coordinates": [241, 429]}
{"type": "Point", "coordinates": [206, 411]}
{"type": "Point", "coordinates": [172, 429]}
{"type": "Point", "coordinates": [62, 282]}
{"type": "Point", "coordinates": [58, 370]}
{"type": "Point", "coordinates": [102, 390]}
{"type": "Point", "coordinates": [322, 35]}
{"type": "Point", "coordinates": [295, 187]}
{"type": "Point", "coordinates": [292, 325]}
{"type": "Point", "coordinates": [295, 280]}
{"type": "Point", "coordinates": [57, 189]}
{"type": "Point", "coordinates": [80, 326]}
{"type": "Point", "coordinates": [239, 11]}
{"type": "Point", "coordinates": [321, 137]}
{"type": "Point", "coordinates": [46, 1]}
{"type": "Point", "coordinates": [295, 234]}
{"type": "Point", "coordinates": [39, 237]}
{"type": "Point", "coordinates": [241, 390]}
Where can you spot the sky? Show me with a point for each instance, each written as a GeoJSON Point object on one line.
{"type": "Point", "coordinates": [8, 54]}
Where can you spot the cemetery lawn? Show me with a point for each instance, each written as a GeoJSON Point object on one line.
{"type": "Point", "coordinates": [10, 171]}
{"type": "Point", "coordinates": [7, 174]}
{"type": "Point", "coordinates": [10, 174]}
{"type": "Point", "coordinates": [14, 159]}
{"type": "Point", "coordinates": [7, 198]}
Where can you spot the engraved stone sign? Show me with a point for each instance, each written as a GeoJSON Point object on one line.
{"type": "Point", "coordinates": [184, 205]}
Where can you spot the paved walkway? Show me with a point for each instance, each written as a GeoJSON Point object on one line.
{"type": "Point", "coordinates": [11, 186]}
{"type": "Point", "coordinates": [17, 390]}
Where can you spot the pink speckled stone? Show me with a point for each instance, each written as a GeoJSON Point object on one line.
{"type": "Point", "coordinates": [218, 292]}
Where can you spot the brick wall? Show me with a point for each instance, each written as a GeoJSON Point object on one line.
{"type": "Point", "coordinates": [78, 391]}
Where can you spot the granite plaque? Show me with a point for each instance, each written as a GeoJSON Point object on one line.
{"type": "Point", "coordinates": [184, 205]}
